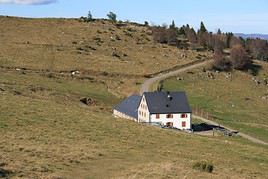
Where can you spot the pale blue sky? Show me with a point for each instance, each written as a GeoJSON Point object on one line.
{"type": "Point", "coordinates": [247, 16]}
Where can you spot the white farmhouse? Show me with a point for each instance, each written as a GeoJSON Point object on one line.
{"type": "Point", "coordinates": [169, 109]}
{"type": "Point", "coordinates": [166, 108]}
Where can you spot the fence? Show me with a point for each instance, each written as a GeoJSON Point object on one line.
{"type": "Point", "coordinates": [203, 114]}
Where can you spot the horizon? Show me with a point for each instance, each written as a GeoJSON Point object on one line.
{"type": "Point", "coordinates": [246, 16]}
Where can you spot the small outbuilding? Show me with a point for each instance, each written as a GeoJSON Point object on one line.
{"type": "Point", "coordinates": [128, 108]}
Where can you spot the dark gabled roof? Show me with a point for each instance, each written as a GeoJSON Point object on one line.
{"type": "Point", "coordinates": [129, 106]}
{"type": "Point", "coordinates": [167, 102]}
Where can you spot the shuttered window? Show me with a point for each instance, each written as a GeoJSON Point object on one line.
{"type": "Point", "coordinates": [183, 115]}
{"type": "Point", "coordinates": [183, 124]}
{"type": "Point", "coordinates": [169, 115]}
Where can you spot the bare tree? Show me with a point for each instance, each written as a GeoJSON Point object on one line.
{"type": "Point", "coordinates": [220, 62]}
{"type": "Point", "coordinates": [239, 58]}
{"type": "Point", "coordinates": [258, 48]}
{"type": "Point", "coordinates": [235, 41]}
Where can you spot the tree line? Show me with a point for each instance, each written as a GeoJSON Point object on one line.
{"type": "Point", "coordinates": [229, 51]}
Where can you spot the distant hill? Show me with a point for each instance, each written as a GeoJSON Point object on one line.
{"type": "Point", "coordinates": [245, 36]}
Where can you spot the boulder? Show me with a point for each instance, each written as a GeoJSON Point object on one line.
{"type": "Point", "coordinates": [88, 101]}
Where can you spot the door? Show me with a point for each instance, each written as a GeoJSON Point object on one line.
{"type": "Point", "coordinates": [169, 124]}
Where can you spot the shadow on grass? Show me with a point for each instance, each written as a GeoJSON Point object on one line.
{"type": "Point", "coordinates": [4, 173]}
{"type": "Point", "coordinates": [254, 69]}
{"type": "Point", "coordinates": [204, 127]}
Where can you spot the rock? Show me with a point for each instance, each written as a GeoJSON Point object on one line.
{"type": "Point", "coordinates": [179, 78]}
{"type": "Point", "coordinates": [114, 54]}
{"type": "Point", "coordinates": [75, 72]}
{"type": "Point", "coordinates": [88, 101]}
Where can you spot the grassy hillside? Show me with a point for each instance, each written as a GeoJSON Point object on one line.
{"type": "Point", "coordinates": [236, 101]}
{"type": "Point", "coordinates": [98, 48]}
{"type": "Point", "coordinates": [46, 132]}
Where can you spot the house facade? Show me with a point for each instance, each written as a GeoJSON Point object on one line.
{"type": "Point", "coordinates": [169, 109]}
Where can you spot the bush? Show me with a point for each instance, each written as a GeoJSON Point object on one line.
{"type": "Point", "coordinates": [203, 166]}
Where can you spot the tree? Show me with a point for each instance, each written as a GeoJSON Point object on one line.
{"type": "Point", "coordinates": [220, 63]}
{"type": "Point", "coordinates": [146, 23]}
{"type": "Point", "coordinates": [202, 28]}
{"type": "Point", "coordinates": [239, 58]}
{"type": "Point", "coordinates": [172, 26]}
{"type": "Point", "coordinates": [159, 34]}
{"type": "Point", "coordinates": [182, 31]}
{"type": "Point", "coordinates": [191, 35]}
{"type": "Point", "coordinates": [235, 41]}
{"type": "Point", "coordinates": [257, 48]}
{"type": "Point", "coordinates": [164, 35]}
{"type": "Point", "coordinates": [112, 16]}
{"type": "Point", "coordinates": [89, 17]}
{"type": "Point", "coordinates": [218, 43]}
{"type": "Point", "coordinates": [229, 37]}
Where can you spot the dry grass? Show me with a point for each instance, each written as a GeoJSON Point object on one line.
{"type": "Point", "coordinates": [45, 132]}
{"type": "Point", "coordinates": [43, 135]}
{"type": "Point", "coordinates": [92, 48]}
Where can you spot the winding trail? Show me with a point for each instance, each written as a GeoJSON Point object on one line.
{"type": "Point", "coordinates": [149, 82]}
{"type": "Point", "coordinates": [146, 85]}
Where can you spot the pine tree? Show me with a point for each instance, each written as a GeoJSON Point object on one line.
{"type": "Point", "coordinates": [172, 26]}
{"type": "Point", "coordinates": [202, 28]}
{"type": "Point", "coordinates": [219, 32]}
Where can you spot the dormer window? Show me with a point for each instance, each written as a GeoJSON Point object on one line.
{"type": "Point", "coordinates": [183, 115]}
{"type": "Point", "coordinates": [169, 116]}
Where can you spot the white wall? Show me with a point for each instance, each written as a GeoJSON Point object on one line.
{"type": "Point", "coordinates": [143, 111]}
{"type": "Point", "coordinates": [177, 120]}
{"type": "Point", "coordinates": [122, 115]}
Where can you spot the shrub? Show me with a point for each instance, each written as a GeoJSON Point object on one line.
{"type": "Point", "coordinates": [203, 166]}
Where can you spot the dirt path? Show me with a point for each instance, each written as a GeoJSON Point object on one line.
{"type": "Point", "coordinates": [148, 83]}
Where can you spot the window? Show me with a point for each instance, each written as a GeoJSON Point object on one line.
{"type": "Point", "coordinates": [183, 115]}
{"type": "Point", "coordinates": [183, 124]}
{"type": "Point", "coordinates": [169, 115]}
{"type": "Point", "coordinates": [157, 116]}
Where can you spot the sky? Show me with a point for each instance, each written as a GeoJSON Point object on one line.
{"type": "Point", "coordinates": [238, 16]}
